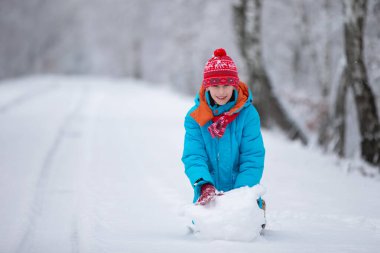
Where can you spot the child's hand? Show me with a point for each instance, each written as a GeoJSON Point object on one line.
{"type": "Point", "coordinates": [208, 193]}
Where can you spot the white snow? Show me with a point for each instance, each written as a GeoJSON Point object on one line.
{"type": "Point", "coordinates": [234, 215]}
{"type": "Point", "coordinates": [94, 165]}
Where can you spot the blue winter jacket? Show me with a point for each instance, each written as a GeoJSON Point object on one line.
{"type": "Point", "coordinates": [232, 161]}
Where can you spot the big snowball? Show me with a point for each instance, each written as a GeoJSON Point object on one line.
{"type": "Point", "coordinates": [232, 216]}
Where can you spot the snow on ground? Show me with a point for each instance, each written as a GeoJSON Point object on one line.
{"type": "Point", "coordinates": [93, 165]}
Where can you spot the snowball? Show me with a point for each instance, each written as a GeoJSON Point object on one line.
{"type": "Point", "coordinates": [232, 216]}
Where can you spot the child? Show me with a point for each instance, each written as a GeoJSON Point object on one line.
{"type": "Point", "coordinates": [223, 147]}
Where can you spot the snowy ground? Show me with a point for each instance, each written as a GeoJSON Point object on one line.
{"type": "Point", "coordinates": [93, 165]}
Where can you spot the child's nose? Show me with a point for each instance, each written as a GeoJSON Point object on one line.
{"type": "Point", "coordinates": [222, 89]}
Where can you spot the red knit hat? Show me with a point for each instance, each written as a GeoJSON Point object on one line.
{"type": "Point", "coordinates": [220, 70]}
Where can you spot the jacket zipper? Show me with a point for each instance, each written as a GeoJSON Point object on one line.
{"type": "Point", "coordinates": [218, 158]}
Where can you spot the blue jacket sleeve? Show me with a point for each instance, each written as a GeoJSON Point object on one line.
{"type": "Point", "coordinates": [195, 157]}
{"type": "Point", "coordinates": [252, 152]}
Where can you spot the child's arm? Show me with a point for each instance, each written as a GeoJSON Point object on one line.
{"type": "Point", "coordinates": [252, 152]}
{"type": "Point", "coordinates": [195, 157]}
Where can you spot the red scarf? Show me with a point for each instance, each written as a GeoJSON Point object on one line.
{"type": "Point", "coordinates": [220, 124]}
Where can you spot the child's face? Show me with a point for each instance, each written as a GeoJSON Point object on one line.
{"type": "Point", "coordinates": [221, 93]}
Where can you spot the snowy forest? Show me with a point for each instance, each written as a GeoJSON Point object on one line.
{"type": "Point", "coordinates": [314, 66]}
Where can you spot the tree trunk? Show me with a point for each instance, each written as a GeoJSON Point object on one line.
{"type": "Point", "coordinates": [369, 126]}
{"type": "Point", "coordinates": [324, 131]}
{"type": "Point", "coordinates": [247, 17]}
{"type": "Point", "coordinates": [333, 129]}
{"type": "Point", "coordinates": [339, 119]}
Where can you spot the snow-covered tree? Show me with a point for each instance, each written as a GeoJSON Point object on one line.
{"type": "Point", "coordinates": [357, 80]}
{"type": "Point", "coordinates": [248, 18]}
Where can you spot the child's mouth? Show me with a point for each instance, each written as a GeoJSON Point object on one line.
{"type": "Point", "coordinates": [221, 98]}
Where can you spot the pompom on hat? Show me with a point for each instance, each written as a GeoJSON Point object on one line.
{"type": "Point", "coordinates": [220, 70]}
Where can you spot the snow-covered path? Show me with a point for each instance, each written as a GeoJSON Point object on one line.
{"type": "Point", "coordinates": [91, 165]}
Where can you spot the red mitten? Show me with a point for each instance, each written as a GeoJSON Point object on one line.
{"type": "Point", "coordinates": [208, 193]}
